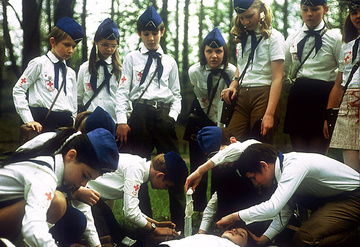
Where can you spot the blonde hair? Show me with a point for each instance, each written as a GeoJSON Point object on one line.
{"type": "Point", "coordinates": [265, 22]}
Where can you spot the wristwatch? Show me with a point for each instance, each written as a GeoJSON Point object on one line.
{"type": "Point", "coordinates": [153, 226]}
{"type": "Point", "coordinates": [236, 79]}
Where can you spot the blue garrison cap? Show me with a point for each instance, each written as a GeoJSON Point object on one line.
{"type": "Point", "coordinates": [106, 151]}
{"type": "Point", "coordinates": [313, 2]}
{"type": "Point", "coordinates": [214, 39]}
{"type": "Point", "coordinates": [150, 18]}
{"type": "Point", "coordinates": [241, 6]}
{"type": "Point", "coordinates": [176, 167]}
{"type": "Point", "coordinates": [100, 118]}
{"type": "Point", "coordinates": [353, 4]}
{"type": "Point", "coordinates": [209, 139]}
{"type": "Point", "coordinates": [72, 28]}
{"type": "Point", "coordinates": [108, 29]}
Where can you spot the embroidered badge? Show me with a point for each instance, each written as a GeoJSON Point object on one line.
{"type": "Point", "coordinates": [138, 76]}
{"type": "Point", "coordinates": [49, 84]}
{"type": "Point", "coordinates": [23, 81]}
{"type": "Point", "coordinates": [123, 79]}
{"type": "Point", "coordinates": [348, 58]}
{"type": "Point", "coordinates": [48, 196]}
{"type": "Point", "coordinates": [88, 86]}
{"type": "Point", "coordinates": [136, 188]}
{"type": "Point", "coordinates": [203, 100]}
{"type": "Point", "coordinates": [293, 51]}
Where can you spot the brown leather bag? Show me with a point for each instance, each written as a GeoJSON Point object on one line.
{"type": "Point", "coordinates": [26, 134]}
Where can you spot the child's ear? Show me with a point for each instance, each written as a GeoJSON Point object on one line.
{"type": "Point", "coordinates": [71, 155]}
{"type": "Point", "coordinates": [160, 175]}
{"type": "Point", "coordinates": [139, 33]}
{"type": "Point", "coordinates": [162, 32]}
{"type": "Point", "coordinates": [264, 165]}
{"type": "Point", "coordinates": [52, 42]}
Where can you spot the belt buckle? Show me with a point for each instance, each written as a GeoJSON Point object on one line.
{"type": "Point", "coordinates": [155, 105]}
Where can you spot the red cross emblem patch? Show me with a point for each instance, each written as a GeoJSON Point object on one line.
{"type": "Point", "coordinates": [48, 196]}
{"type": "Point", "coordinates": [136, 188]}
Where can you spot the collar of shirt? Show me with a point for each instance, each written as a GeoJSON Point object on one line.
{"type": "Point", "coordinates": [317, 28]}
{"type": "Point", "coordinates": [207, 67]}
{"type": "Point", "coordinates": [108, 61]}
{"type": "Point", "coordinates": [53, 58]}
{"type": "Point", "coordinates": [278, 171]}
{"type": "Point", "coordinates": [59, 169]}
{"type": "Point", "coordinates": [145, 50]}
{"type": "Point", "coordinates": [147, 170]}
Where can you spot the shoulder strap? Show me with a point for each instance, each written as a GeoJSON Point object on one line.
{"type": "Point", "coordinates": [53, 103]}
{"type": "Point", "coordinates": [248, 63]}
{"type": "Point", "coordinates": [213, 95]}
{"type": "Point", "coordinates": [151, 79]}
{"type": "Point", "coordinates": [86, 106]}
{"type": "Point", "coordinates": [352, 72]}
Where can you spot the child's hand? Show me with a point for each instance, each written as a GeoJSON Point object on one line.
{"type": "Point", "coordinates": [87, 196]}
{"type": "Point", "coordinates": [227, 221]}
{"type": "Point", "coordinates": [260, 241]}
{"type": "Point", "coordinates": [122, 131]}
{"type": "Point", "coordinates": [35, 126]}
{"type": "Point", "coordinates": [228, 95]}
{"type": "Point", "coordinates": [193, 180]}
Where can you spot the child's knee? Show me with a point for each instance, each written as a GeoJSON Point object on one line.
{"type": "Point", "coordinates": [304, 238]}
{"type": "Point", "coordinates": [57, 207]}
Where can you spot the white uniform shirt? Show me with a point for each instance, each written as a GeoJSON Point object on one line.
{"type": "Point", "coordinates": [201, 240]}
{"type": "Point", "coordinates": [90, 230]}
{"type": "Point", "coordinates": [166, 90]}
{"type": "Point", "coordinates": [320, 67]}
{"type": "Point", "coordinates": [346, 65]}
{"type": "Point", "coordinates": [124, 183]}
{"type": "Point", "coordinates": [305, 174]}
{"type": "Point", "coordinates": [259, 71]}
{"type": "Point", "coordinates": [36, 184]}
{"type": "Point", "coordinates": [103, 99]}
{"type": "Point", "coordinates": [39, 78]}
{"type": "Point", "coordinates": [198, 77]}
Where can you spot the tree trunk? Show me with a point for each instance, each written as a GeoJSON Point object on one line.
{"type": "Point", "coordinates": [185, 64]}
{"type": "Point", "coordinates": [63, 8]}
{"type": "Point", "coordinates": [201, 19]}
{"type": "Point", "coordinates": [164, 16]}
{"type": "Point", "coordinates": [215, 11]}
{"type": "Point", "coordinates": [232, 47]}
{"type": "Point", "coordinates": [84, 47]}
{"type": "Point", "coordinates": [31, 27]}
{"type": "Point", "coordinates": [176, 40]}
{"type": "Point", "coordinates": [8, 42]}
{"type": "Point", "coordinates": [285, 18]}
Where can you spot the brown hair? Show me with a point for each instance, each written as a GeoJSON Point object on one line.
{"type": "Point", "coordinates": [159, 164]}
{"type": "Point", "coordinates": [80, 121]}
{"type": "Point", "coordinates": [265, 23]}
{"type": "Point", "coordinates": [350, 32]}
{"type": "Point", "coordinates": [57, 34]}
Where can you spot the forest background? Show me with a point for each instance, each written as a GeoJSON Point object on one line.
{"type": "Point", "coordinates": [25, 25]}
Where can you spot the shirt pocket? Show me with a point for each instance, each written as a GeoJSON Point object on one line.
{"type": "Point", "coordinates": [48, 80]}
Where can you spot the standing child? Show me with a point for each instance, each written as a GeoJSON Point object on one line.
{"type": "Point", "coordinates": [346, 132]}
{"type": "Point", "coordinates": [31, 181]}
{"type": "Point", "coordinates": [98, 78]}
{"type": "Point", "coordinates": [260, 58]}
{"type": "Point", "coordinates": [149, 102]}
{"type": "Point", "coordinates": [48, 76]}
{"type": "Point", "coordinates": [313, 55]}
{"type": "Point", "coordinates": [209, 77]}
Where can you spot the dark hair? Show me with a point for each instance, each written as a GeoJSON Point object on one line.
{"type": "Point", "coordinates": [80, 143]}
{"type": "Point", "coordinates": [80, 121]}
{"type": "Point", "coordinates": [202, 57]}
{"type": "Point", "coordinates": [250, 159]}
{"type": "Point", "coordinates": [57, 34]}
{"type": "Point", "coordinates": [115, 59]}
{"type": "Point", "coordinates": [350, 32]}
{"type": "Point", "coordinates": [141, 27]}
{"type": "Point", "coordinates": [159, 164]}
